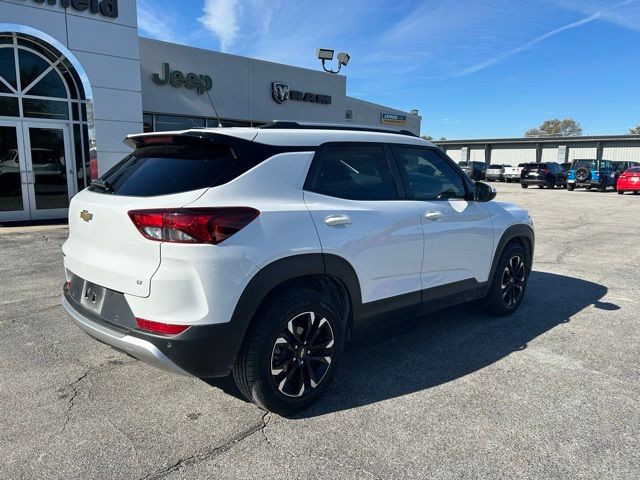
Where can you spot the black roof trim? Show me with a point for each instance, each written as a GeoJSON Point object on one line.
{"type": "Point", "coordinates": [329, 126]}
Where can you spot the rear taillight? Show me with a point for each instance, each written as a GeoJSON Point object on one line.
{"type": "Point", "coordinates": [160, 328]}
{"type": "Point", "coordinates": [544, 170]}
{"type": "Point", "coordinates": [192, 225]}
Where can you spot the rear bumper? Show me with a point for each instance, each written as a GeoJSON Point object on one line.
{"type": "Point", "coordinates": [202, 351]}
{"type": "Point", "coordinates": [590, 183]}
{"type": "Point", "coordinates": [534, 181]}
{"type": "Point", "coordinates": [136, 347]}
{"type": "Point", "coordinates": [494, 176]}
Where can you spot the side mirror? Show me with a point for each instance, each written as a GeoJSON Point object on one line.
{"type": "Point", "coordinates": [484, 192]}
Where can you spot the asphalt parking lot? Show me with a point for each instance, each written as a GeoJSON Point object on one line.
{"type": "Point", "coordinates": [550, 392]}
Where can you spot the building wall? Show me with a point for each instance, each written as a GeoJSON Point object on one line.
{"type": "Point", "coordinates": [512, 155]}
{"type": "Point", "coordinates": [513, 151]}
{"type": "Point", "coordinates": [367, 113]}
{"type": "Point", "coordinates": [108, 51]}
{"type": "Point", "coordinates": [242, 87]}
{"type": "Point", "coordinates": [621, 152]}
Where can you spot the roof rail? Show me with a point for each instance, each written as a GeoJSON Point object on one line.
{"type": "Point", "coordinates": [278, 124]}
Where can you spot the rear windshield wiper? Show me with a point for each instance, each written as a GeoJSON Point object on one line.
{"type": "Point", "coordinates": [102, 184]}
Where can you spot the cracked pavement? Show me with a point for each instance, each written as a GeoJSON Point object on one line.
{"type": "Point", "coordinates": [551, 392]}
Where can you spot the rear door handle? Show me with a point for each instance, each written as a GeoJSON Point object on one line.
{"type": "Point", "coordinates": [335, 220]}
{"type": "Point", "coordinates": [433, 216]}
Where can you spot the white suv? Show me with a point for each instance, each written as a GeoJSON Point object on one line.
{"type": "Point", "coordinates": [259, 252]}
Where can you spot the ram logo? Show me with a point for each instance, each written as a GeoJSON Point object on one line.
{"type": "Point", "coordinates": [279, 92]}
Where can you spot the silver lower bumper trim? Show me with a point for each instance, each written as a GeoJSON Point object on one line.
{"type": "Point", "coordinates": [141, 349]}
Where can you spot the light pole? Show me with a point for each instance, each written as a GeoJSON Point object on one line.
{"type": "Point", "coordinates": [325, 54]}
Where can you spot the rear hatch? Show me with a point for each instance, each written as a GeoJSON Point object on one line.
{"type": "Point", "coordinates": [104, 246]}
{"type": "Point", "coordinates": [534, 170]}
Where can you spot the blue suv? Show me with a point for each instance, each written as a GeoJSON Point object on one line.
{"type": "Point", "coordinates": [590, 174]}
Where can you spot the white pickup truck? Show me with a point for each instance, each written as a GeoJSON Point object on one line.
{"type": "Point", "coordinates": [512, 174]}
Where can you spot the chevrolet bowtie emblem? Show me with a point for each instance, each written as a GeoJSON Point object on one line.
{"type": "Point", "coordinates": [86, 216]}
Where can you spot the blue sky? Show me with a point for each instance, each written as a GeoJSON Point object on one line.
{"type": "Point", "coordinates": [473, 68]}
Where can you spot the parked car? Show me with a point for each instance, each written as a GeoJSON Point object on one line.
{"type": "Point", "coordinates": [544, 174]}
{"type": "Point", "coordinates": [513, 174]}
{"type": "Point", "coordinates": [495, 173]}
{"type": "Point", "coordinates": [629, 181]}
{"type": "Point", "coordinates": [620, 167]}
{"type": "Point", "coordinates": [260, 251]}
{"type": "Point", "coordinates": [475, 170]}
{"type": "Point", "coordinates": [590, 174]}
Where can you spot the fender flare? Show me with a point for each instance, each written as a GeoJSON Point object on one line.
{"type": "Point", "coordinates": [283, 270]}
{"type": "Point", "coordinates": [514, 231]}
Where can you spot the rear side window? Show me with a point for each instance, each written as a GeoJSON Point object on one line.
{"type": "Point", "coordinates": [634, 170]}
{"type": "Point", "coordinates": [354, 172]}
{"type": "Point", "coordinates": [164, 170]}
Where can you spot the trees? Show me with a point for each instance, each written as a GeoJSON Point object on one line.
{"type": "Point", "coordinates": [635, 131]}
{"type": "Point", "coordinates": [427, 137]}
{"type": "Point", "coordinates": [556, 128]}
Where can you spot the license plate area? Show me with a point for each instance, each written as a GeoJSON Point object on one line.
{"type": "Point", "coordinates": [92, 297]}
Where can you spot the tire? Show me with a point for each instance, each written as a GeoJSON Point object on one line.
{"type": "Point", "coordinates": [588, 188]}
{"type": "Point", "coordinates": [570, 187]}
{"type": "Point", "coordinates": [635, 192]}
{"type": "Point", "coordinates": [540, 186]}
{"type": "Point", "coordinates": [270, 343]}
{"type": "Point", "coordinates": [502, 301]}
{"type": "Point", "coordinates": [582, 174]}
{"type": "Point", "coordinates": [524, 185]}
{"type": "Point", "coordinates": [551, 185]}
{"type": "Point", "coordinates": [620, 192]}
{"type": "Point", "coordinates": [602, 187]}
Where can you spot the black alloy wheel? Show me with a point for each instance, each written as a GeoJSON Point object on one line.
{"type": "Point", "coordinates": [302, 354]}
{"type": "Point", "coordinates": [513, 281]}
{"type": "Point", "coordinates": [291, 353]}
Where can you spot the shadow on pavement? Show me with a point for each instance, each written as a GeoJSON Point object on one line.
{"type": "Point", "coordinates": [447, 345]}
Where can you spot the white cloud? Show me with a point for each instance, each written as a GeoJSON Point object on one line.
{"type": "Point", "coordinates": [626, 14]}
{"type": "Point", "coordinates": [221, 17]}
{"type": "Point", "coordinates": [605, 13]}
{"type": "Point", "coordinates": [155, 24]}
{"type": "Point", "coordinates": [509, 53]}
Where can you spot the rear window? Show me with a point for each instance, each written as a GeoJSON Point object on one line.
{"type": "Point", "coordinates": [589, 164]}
{"type": "Point", "coordinates": [164, 170]}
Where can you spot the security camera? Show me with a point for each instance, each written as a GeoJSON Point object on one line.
{"type": "Point", "coordinates": [324, 54]}
{"type": "Point", "coordinates": [343, 58]}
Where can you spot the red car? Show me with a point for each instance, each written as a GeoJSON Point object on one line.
{"type": "Point", "coordinates": [629, 181]}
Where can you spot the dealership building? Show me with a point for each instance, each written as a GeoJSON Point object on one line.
{"type": "Point", "coordinates": [75, 79]}
{"type": "Point", "coordinates": [513, 151]}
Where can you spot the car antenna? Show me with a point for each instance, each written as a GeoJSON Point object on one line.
{"type": "Point", "coordinates": [215, 111]}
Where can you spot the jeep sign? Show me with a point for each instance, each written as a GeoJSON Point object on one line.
{"type": "Point", "coordinates": [201, 83]}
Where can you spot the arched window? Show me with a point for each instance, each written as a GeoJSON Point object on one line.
{"type": "Point", "coordinates": [38, 82]}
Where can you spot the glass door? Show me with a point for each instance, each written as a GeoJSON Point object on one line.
{"type": "Point", "coordinates": [14, 194]}
{"type": "Point", "coordinates": [50, 170]}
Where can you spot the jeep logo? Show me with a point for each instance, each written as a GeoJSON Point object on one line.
{"type": "Point", "coordinates": [201, 83]}
{"type": "Point", "coordinates": [280, 93]}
